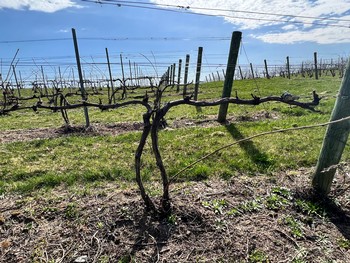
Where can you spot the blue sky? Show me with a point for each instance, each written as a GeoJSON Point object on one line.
{"type": "Point", "coordinates": [41, 30]}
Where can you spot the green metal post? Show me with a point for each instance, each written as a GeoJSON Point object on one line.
{"type": "Point", "coordinates": [230, 72]}
{"type": "Point", "coordinates": [335, 138]}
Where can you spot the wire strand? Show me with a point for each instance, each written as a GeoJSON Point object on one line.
{"type": "Point", "coordinates": [185, 10]}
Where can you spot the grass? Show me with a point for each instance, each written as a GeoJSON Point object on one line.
{"type": "Point", "coordinates": [29, 165]}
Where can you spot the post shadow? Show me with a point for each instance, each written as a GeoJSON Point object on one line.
{"type": "Point", "coordinates": [333, 212]}
{"type": "Point", "coordinates": [261, 159]}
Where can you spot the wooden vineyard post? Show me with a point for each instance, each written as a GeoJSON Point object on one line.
{"type": "Point", "coordinates": [217, 72]}
{"type": "Point", "coordinates": [82, 89]}
{"type": "Point", "coordinates": [252, 70]}
{"type": "Point", "coordinates": [110, 96]}
{"type": "Point", "coordinates": [171, 69]}
{"type": "Point", "coordinates": [315, 61]}
{"type": "Point", "coordinates": [44, 81]}
{"type": "Point", "coordinates": [335, 139]}
{"type": "Point", "coordinates": [186, 75]}
{"type": "Point", "coordinates": [302, 70]}
{"type": "Point", "coordinates": [230, 72]}
{"type": "Point", "coordinates": [135, 75]}
{"type": "Point", "coordinates": [198, 72]}
{"type": "Point", "coordinates": [131, 80]}
{"type": "Point", "coordinates": [288, 68]}
{"type": "Point", "coordinates": [179, 76]}
{"type": "Point", "coordinates": [122, 67]}
{"type": "Point", "coordinates": [266, 70]}
{"type": "Point", "coordinates": [240, 72]}
{"type": "Point", "coordinates": [168, 75]}
{"type": "Point", "coordinates": [173, 76]}
{"type": "Point", "coordinates": [60, 75]}
{"type": "Point", "coordinates": [17, 84]}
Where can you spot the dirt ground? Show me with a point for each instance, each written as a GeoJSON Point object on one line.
{"type": "Point", "coordinates": [109, 224]}
{"type": "Point", "coordinates": [116, 128]}
{"type": "Point", "coordinates": [274, 218]}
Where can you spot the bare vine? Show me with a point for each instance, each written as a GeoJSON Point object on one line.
{"type": "Point", "coordinates": [153, 119]}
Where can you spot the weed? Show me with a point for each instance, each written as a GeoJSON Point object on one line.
{"type": "Point", "coordinates": [258, 256]}
{"type": "Point", "coordinates": [220, 223]}
{"type": "Point", "coordinates": [250, 206]}
{"type": "Point", "coordinates": [125, 259]}
{"type": "Point", "coordinates": [344, 243]}
{"type": "Point", "coordinates": [49, 211]}
{"type": "Point", "coordinates": [217, 205]}
{"type": "Point", "coordinates": [233, 212]}
{"type": "Point", "coordinates": [71, 211]}
{"type": "Point", "coordinates": [100, 225]}
{"type": "Point", "coordinates": [310, 208]}
{"type": "Point", "coordinates": [172, 219]}
{"type": "Point", "coordinates": [282, 192]}
{"type": "Point", "coordinates": [294, 226]}
{"type": "Point", "coordinates": [300, 256]}
{"type": "Point", "coordinates": [125, 212]}
{"type": "Point", "coordinates": [104, 259]}
{"type": "Point", "coordinates": [276, 202]}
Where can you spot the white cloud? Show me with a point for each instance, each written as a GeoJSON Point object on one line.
{"type": "Point", "coordinates": [289, 27]}
{"type": "Point", "coordinates": [63, 31]}
{"type": "Point", "coordinates": [297, 20]}
{"type": "Point", "coordinates": [48, 6]}
{"type": "Point", "coordinates": [318, 35]}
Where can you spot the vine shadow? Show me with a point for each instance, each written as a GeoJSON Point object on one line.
{"type": "Point", "coordinates": [152, 233]}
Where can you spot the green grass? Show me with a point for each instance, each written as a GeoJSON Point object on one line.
{"type": "Point", "coordinates": [26, 166]}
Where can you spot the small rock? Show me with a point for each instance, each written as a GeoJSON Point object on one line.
{"type": "Point", "coordinates": [81, 259]}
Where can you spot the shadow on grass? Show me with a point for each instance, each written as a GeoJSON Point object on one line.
{"type": "Point", "coordinates": [261, 159]}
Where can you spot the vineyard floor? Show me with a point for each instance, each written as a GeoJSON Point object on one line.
{"type": "Point", "coordinates": [274, 218]}
{"type": "Point", "coordinates": [116, 128]}
{"type": "Point", "coordinates": [245, 219]}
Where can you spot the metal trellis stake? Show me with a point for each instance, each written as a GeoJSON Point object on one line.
{"type": "Point", "coordinates": [335, 138]}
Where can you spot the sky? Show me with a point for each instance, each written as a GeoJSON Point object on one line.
{"type": "Point", "coordinates": [154, 34]}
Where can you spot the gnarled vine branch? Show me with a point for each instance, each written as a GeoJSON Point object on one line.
{"type": "Point", "coordinates": [152, 119]}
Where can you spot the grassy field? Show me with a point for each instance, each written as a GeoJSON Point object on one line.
{"type": "Point", "coordinates": [28, 165]}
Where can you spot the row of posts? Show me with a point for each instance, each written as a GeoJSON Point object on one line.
{"type": "Point", "coordinates": [218, 76]}
{"type": "Point", "coordinates": [170, 75]}
{"type": "Point", "coordinates": [335, 138]}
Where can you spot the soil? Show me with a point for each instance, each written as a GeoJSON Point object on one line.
{"type": "Point", "coordinates": [211, 221]}
{"type": "Point", "coordinates": [116, 128]}
{"type": "Point", "coordinates": [109, 224]}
